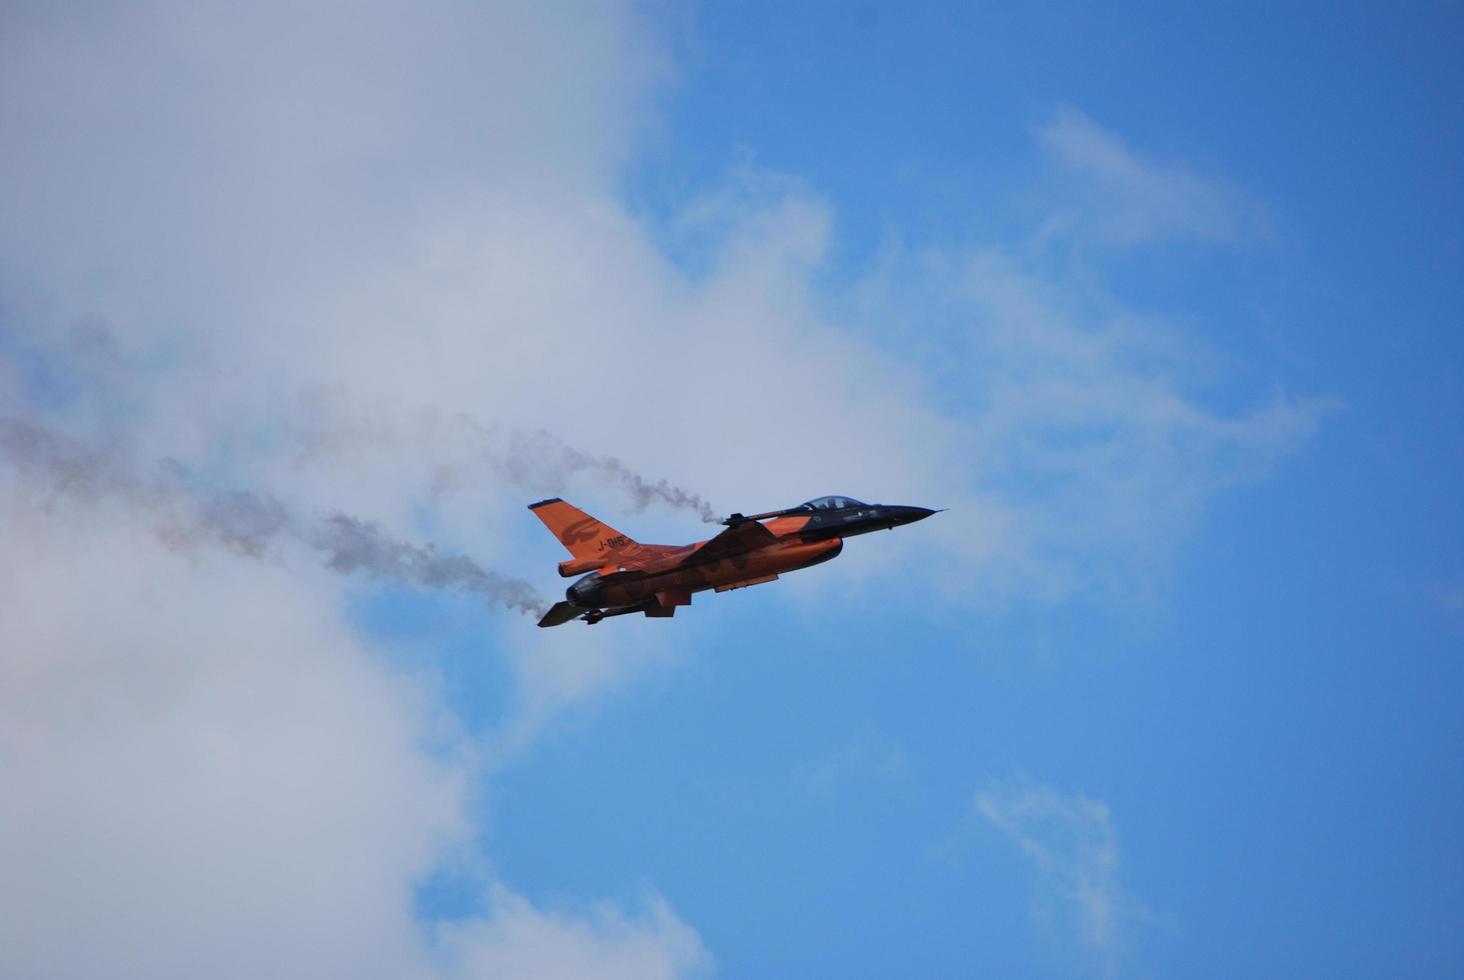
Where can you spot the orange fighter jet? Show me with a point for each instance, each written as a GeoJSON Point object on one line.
{"type": "Point", "coordinates": [625, 576]}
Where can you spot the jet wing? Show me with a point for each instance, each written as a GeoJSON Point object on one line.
{"type": "Point", "coordinates": [737, 539]}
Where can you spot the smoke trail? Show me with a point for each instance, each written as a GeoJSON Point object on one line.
{"type": "Point", "coordinates": [326, 425]}
{"type": "Point", "coordinates": [354, 544]}
{"type": "Point", "coordinates": [245, 522]}
{"type": "Point", "coordinates": [543, 459]}
{"type": "Point", "coordinates": [63, 466]}
{"type": "Point", "coordinates": [328, 428]}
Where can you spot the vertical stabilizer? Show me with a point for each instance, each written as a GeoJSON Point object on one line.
{"type": "Point", "coordinates": [584, 536]}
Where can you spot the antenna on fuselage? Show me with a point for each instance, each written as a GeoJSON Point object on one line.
{"type": "Point", "coordinates": [736, 519]}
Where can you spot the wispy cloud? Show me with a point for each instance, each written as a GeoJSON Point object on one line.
{"type": "Point", "coordinates": [605, 942]}
{"type": "Point", "coordinates": [865, 757]}
{"type": "Point", "coordinates": [1121, 195]}
{"type": "Point", "coordinates": [1093, 434]}
{"type": "Point", "coordinates": [1073, 849]}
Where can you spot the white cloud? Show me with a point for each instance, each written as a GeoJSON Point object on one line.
{"type": "Point", "coordinates": [1091, 440]}
{"type": "Point", "coordinates": [523, 941]}
{"type": "Point", "coordinates": [207, 773]}
{"type": "Point", "coordinates": [1119, 195]}
{"type": "Point", "coordinates": [198, 754]}
{"type": "Point", "coordinates": [1073, 848]}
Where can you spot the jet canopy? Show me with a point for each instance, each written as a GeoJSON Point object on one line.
{"type": "Point", "coordinates": [831, 503]}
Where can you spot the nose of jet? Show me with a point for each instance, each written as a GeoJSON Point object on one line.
{"type": "Point", "coordinates": [909, 515]}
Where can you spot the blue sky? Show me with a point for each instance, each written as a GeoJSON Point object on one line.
{"type": "Point", "coordinates": [1162, 302]}
{"type": "Point", "coordinates": [1275, 734]}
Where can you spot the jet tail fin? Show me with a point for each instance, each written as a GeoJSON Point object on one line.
{"type": "Point", "coordinates": [583, 535]}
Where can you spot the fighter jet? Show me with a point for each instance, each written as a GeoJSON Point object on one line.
{"type": "Point", "coordinates": [622, 576]}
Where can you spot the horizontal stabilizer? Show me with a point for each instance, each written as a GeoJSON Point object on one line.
{"type": "Point", "coordinates": [562, 612]}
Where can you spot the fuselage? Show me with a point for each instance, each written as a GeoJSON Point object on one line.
{"type": "Point", "coordinates": [798, 538]}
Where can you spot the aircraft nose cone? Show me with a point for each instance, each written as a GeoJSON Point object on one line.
{"type": "Point", "coordinates": [909, 515]}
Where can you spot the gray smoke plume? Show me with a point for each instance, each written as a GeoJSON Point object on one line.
{"type": "Point", "coordinates": [542, 459]}
{"type": "Point", "coordinates": [60, 464]}
{"type": "Point", "coordinates": [354, 544]}
{"type": "Point", "coordinates": [459, 448]}
{"type": "Point", "coordinates": [244, 522]}
{"type": "Point", "coordinates": [641, 491]}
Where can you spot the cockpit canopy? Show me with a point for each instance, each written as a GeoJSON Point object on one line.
{"type": "Point", "coordinates": [831, 503]}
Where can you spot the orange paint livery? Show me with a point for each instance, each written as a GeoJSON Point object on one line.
{"type": "Point", "coordinates": [621, 575]}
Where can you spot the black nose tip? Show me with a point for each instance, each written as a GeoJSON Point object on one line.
{"type": "Point", "coordinates": [909, 515]}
